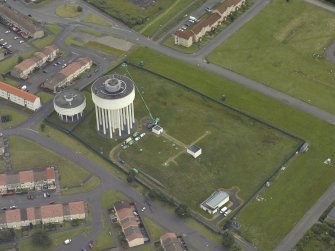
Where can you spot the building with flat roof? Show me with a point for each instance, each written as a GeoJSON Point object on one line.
{"type": "Point", "coordinates": [170, 242]}
{"type": "Point", "coordinates": [213, 203]}
{"type": "Point", "coordinates": [19, 96]}
{"type": "Point", "coordinates": [70, 105]}
{"type": "Point", "coordinates": [13, 18]}
{"type": "Point", "coordinates": [194, 150]}
{"type": "Point", "coordinates": [157, 129]}
{"type": "Point", "coordinates": [64, 77]}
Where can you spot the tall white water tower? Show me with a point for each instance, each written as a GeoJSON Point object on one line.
{"type": "Point", "coordinates": [113, 96]}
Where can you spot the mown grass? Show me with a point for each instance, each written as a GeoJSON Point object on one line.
{"type": "Point", "coordinates": [27, 155]}
{"type": "Point", "coordinates": [285, 52]}
{"type": "Point", "coordinates": [294, 190]}
{"type": "Point", "coordinates": [17, 117]}
{"type": "Point", "coordinates": [104, 48]}
{"type": "Point", "coordinates": [45, 96]}
{"type": "Point", "coordinates": [68, 10]}
{"type": "Point", "coordinates": [95, 19]}
{"type": "Point", "coordinates": [42, 42]}
{"type": "Point", "coordinates": [54, 28]}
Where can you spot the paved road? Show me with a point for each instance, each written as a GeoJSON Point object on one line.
{"type": "Point", "coordinates": [309, 219]}
{"type": "Point", "coordinates": [158, 214]}
{"type": "Point", "coordinates": [322, 4]}
{"type": "Point", "coordinates": [330, 53]}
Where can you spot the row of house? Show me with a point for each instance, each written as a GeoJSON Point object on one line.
{"type": "Point", "coordinates": [197, 31]}
{"type": "Point", "coordinates": [20, 97]}
{"type": "Point", "coordinates": [170, 242]}
{"type": "Point", "coordinates": [11, 17]}
{"type": "Point", "coordinates": [67, 74]}
{"type": "Point", "coordinates": [54, 213]}
{"type": "Point", "coordinates": [27, 66]}
{"type": "Point", "coordinates": [28, 180]}
{"type": "Point", "coordinates": [130, 223]}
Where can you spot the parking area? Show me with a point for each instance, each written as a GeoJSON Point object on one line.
{"type": "Point", "coordinates": [9, 39]}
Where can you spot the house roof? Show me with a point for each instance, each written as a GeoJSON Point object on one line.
{"type": "Point", "coordinates": [77, 207]}
{"type": "Point", "coordinates": [186, 34]}
{"type": "Point", "coordinates": [26, 64]}
{"type": "Point", "coordinates": [50, 173]}
{"type": "Point", "coordinates": [31, 213]}
{"type": "Point", "coordinates": [122, 204]}
{"type": "Point", "coordinates": [75, 66]}
{"type": "Point", "coordinates": [133, 232]}
{"type": "Point", "coordinates": [21, 20]}
{"type": "Point", "coordinates": [13, 179]}
{"type": "Point", "coordinates": [170, 242]}
{"type": "Point", "coordinates": [215, 199]}
{"type": "Point", "coordinates": [3, 179]}
{"type": "Point", "coordinates": [13, 215]}
{"type": "Point", "coordinates": [194, 148]}
{"type": "Point", "coordinates": [124, 213]}
{"type": "Point", "coordinates": [26, 176]}
{"type": "Point", "coordinates": [129, 221]}
{"type": "Point", "coordinates": [18, 92]}
{"type": "Point", "coordinates": [226, 4]}
{"type": "Point", "coordinates": [50, 49]}
{"type": "Point", "coordinates": [52, 211]}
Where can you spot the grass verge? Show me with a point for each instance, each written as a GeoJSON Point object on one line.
{"type": "Point", "coordinates": [17, 116]}
{"type": "Point", "coordinates": [68, 10]}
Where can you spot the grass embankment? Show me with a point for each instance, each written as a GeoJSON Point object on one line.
{"type": "Point", "coordinates": [294, 190]}
{"type": "Point", "coordinates": [27, 155]}
{"type": "Point", "coordinates": [285, 52]}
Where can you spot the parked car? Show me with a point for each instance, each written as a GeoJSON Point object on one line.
{"type": "Point", "coordinates": [222, 210]}
{"type": "Point", "coordinates": [7, 31]}
{"type": "Point", "coordinates": [1, 39]}
{"type": "Point", "coordinates": [227, 212]}
{"type": "Point", "coordinates": [143, 209]}
{"type": "Point", "coordinates": [12, 207]}
{"type": "Point", "coordinates": [21, 41]}
{"type": "Point", "coordinates": [67, 241]}
{"type": "Point", "coordinates": [90, 244]}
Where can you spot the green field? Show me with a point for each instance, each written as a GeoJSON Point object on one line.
{"type": "Point", "coordinates": [286, 51]}
{"type": "Point", "coordinates": [237, 151]}
{"type": "Point", "coordinates": [68, 10]}
{"type": "Point", "coordinates": [305, 178]}
{"type": "Point", "coordinates": [131, 14]}
{"type": "Point", "coordinates": [42, 42]}
{"type": "Point", "coordinates": [95, 19]}
{"type": "Point", "coordinates": [17, 116]}
{"type": "Point", "coordinates": [27, 155]}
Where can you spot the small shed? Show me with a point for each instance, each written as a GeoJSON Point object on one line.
{"type": "Point", "coordinates": [157, 129]}
{"type": "Point", "coordinates": [194, 150]}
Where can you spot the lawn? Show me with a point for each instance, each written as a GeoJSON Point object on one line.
{"type": "Point", "coordinates": [68, 10]}
{"type": "Point", "coordinates": [237, 151]}
{"type": "Point", "coordinates": [45, 96]}
{"type": "Point", "coordinates": [95, 19]}
{"type": "Point", "coordinates": [42, 42]}
{"type": "Point", "coordinates": [57, 240]}
{"type": "Point", "coordinates": [23, 156]}
{"type": "Point", "coordinates": [17, 116]}
{"type": "Point", "coordinates": [7, 64]}
{"type": "Point", "coordinates": [285, 52]}
{"type": "Point", "coordinates": [104, 48]}
{"type": "Point", "coordinates": [131, 14]}
{"type": "Point", "coordinates": [304, 179]}
{"type": "Point", "coordinates": [155, 231]}
{"type": "Point", "coordinates": [96, 33]}
{"type": "Point", "coordinates": [54, 28]}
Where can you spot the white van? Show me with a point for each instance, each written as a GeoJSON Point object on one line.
{"type": "Point", "coordinates": [23, 87]}
{"type": "Point", "coordinates": [67, 241]}
{"type": "Point", "coordinates": [227, 212]}
{"type": "Point", "coordinates": [224, 209]}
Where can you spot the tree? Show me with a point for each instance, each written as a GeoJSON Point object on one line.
{"type": "Point", "coordinates": [41, 239]}
{"type": "Point", "coordinates": [79, 8]}
{"type": "Point", "coordinates": [19, 59]}
{"type": "Point", "coordinates": [7, 235]}
{"type": "Point", "coordinates": [42, 127]}
{"type": "Point", "coordinates": [228, 240]}
{"type": "Point", "coordinates": [182, 211]}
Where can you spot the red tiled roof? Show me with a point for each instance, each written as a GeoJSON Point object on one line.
{"type": "Point", "coordinates": [125, 212]}
{"type": "Point", "coordinates": [52, 211]}
{"type": "Point", "coordinates": [31, 213]}
{"type": "Point", "coordinates": [50, 48]}
{"type": "Point", "coordinates": [50, 173]}
{"type": "Point", "coordinates": [26, 176]}
{"type": "Point", "coordinates": [170, 242]}
{"type": "Point", "coordinates": [75, 66]}
{"type": "Point", "coordinates": [13, 215]}
{"type": "Point", "coordinates": [167, 236]}
{"type": "Point", "coordinates": [3, 179]}
{"type": "Point", "coordinates": [226, 4]}
{"type": "Point", "coordinates": [40, 54]}
{"type": "Point", "coordinates": [20, 93]}
{"type": "Point", "coordinates": [25, 64]}
{"type": "Point", "coordinates": [186, 34]}
{"type": "Point", "coordinates": [77, 207]}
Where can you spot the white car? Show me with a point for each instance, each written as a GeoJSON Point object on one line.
{"type": "Point", "coordinates": [227, 212]}
{"type": "Point", "coordinates": [9, 46]}
{"type": "Point", "coordinates": [67, 241]}
{"type": "Point", "coordinates": [142, 134]}
{"type": "Point", "coordinates": [21, 41]}
{"type": "Point", "coordinates": [1, 39]}
{"type": "Point", "coordinates": [223, 210]}
{"type": "Point", "coordinates": [143, 209]}
{"type": "Point", "coordinates": [7, 31]}
{"type": "Point", "coordinates": [137, 138]}
{"type": "Point", "coordinates": [4, 43]}
{"type": "Point", "coordinates": [16, 38]}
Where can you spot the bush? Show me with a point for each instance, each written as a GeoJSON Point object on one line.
{"type": "Point", "coordinates": [41, 239]}
{"type": "Point", "coordinates": [228, 240]}
{"type": "Point", "coordinates": [182, 211]}
{"type": "Point", "coordinates": [7, 235]}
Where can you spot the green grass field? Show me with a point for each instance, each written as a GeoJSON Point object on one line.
{"type": "Point", "coordinates": [17, 116]}
{"type": "Point", "coordinates": [237, 151]}
{"type": "Point", "coordinates": [27, 155]}
{"type": "Point", "coordinates": [285, 52]}
{"type": "Point", "coordinates": [305, 178]}
{"type": "Point", "coordinates": [68, 10]}
{"type": "Point", "coordinates": [42, 42]}
{"type": "Point", "coordinates": [95, 19]}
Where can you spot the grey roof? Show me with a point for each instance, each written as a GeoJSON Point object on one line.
{"type": "Point", "coordinates": [18, 18]}
{"type": "Point", "coordinates": [215, 199]}
{"type": "Point", "coordinates": [331, 214]}
{"type": "Point", "coordinates": [69, 99]}
{"type": "Point", "coordinates": [157, 127]}
{"type": "Point", "coordinates": [194, 148]}
{"type": "Point", "coordinates": [112, 86]}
